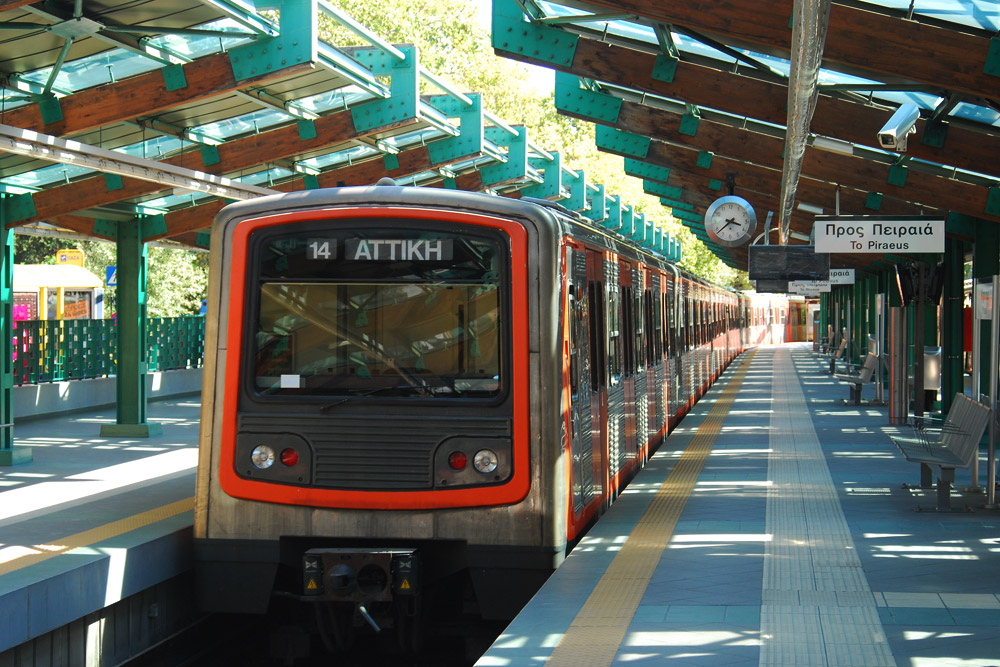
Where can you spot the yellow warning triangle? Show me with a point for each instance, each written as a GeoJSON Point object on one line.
{"type": "Point", "coordinates": [311, 586]}
{"type": "Point", "coordinates": [405, 586]}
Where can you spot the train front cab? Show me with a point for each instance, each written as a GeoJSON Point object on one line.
{"type": "Point", "coordinates": [375, 468]}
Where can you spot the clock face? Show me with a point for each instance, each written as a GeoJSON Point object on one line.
{"type": "Point", "coordinates": [730, 221]}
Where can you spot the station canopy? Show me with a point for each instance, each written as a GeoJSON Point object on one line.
{"type": "Point", "coordinates": [162, 111]}
{"type": "Point", "coordinates": [705, 99]}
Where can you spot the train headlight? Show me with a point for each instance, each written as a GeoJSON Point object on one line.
{"type": "Point", "coordinates": [485, 461]}
{"type": "Point", "coordinates": [262, 457]}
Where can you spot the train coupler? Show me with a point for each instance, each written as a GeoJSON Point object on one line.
{"type": "Point", "coordinates": [360, 575]}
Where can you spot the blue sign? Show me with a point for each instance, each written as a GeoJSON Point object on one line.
{"type": "Point", "coordinates": [111, 276]}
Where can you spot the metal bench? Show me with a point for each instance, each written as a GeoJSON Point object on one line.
{"type": "Point", "coordinates": [837, 354]}
{"type": "Point", "coordinates": [954, 445]}
{"type": "Point", "coordinates": [862, 377]}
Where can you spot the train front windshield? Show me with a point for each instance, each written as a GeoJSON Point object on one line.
{"type": "Point", "coordinates": [379, 311]}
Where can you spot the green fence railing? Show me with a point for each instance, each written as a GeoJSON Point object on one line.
{"type": "Point", "coordinates": [55, 350]}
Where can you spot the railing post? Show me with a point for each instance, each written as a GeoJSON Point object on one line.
{"type": "Point", "coordinates": [9, 454]}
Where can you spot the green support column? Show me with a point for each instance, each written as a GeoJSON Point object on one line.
{"type": "Point", "coordinates": [9, 454]}
{"type": "Point", "coordinates": [871, 284]}
{"type": "Point", "coordinates": [130, 383]}
{"type": "Point", "coordinates": [860, 323]}
{"type": "Point", "coordinates": [824, 308]}
{"type": "Point", "coordinates": [953, 323]}
{"type": "Point", "coordinates": [985, 264]}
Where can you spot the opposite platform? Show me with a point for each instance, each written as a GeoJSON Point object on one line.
{"type": "Point", "coordinates": [772, 529]}
{"type": "Point", "coordinates": [93, 520]}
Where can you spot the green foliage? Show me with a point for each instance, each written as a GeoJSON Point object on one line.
{"type": "Point", "coordinates": [37, 249]}
{"type": "Point", "coordinates": [176, 280]}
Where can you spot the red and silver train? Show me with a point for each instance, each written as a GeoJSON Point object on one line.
{"type": "Point", "coordinates": [413, 389]}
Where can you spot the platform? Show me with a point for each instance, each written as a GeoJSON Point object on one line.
{"type": "Point", "coordinates": [772, 529]}
{"type": "Point", "coordinates": [93, 520]}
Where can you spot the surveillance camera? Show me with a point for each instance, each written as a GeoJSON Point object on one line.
{"type": "Point", "coordinates": [895, 132]}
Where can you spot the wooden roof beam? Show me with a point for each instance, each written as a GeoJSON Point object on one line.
{"type": "Point", "coordinates": [762, 100]}
{"type": "Point", "coordinates": [857, 41]}
{"type": "Point", "coordinates": [140, 95]}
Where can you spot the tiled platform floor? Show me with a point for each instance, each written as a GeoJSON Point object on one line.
{"type": "Point", "coordinates": [798, 546]}
{"type": "Point", "coordinates": [91, 520]}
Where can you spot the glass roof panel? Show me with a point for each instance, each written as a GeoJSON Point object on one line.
{"type": "Point", "coordinates": [203, 45]}
{"type": "Point", "coordinates": [983, 14]}
{"type": "Point", "coordinates": [975, 13]}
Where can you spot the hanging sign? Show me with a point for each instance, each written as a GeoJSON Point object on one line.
{"type": "Point", "coordinates": [841, 276]}
{"type": "Point", "coordinates": [878, 235]}
{"type": "Point", "coordinates": [809, 287]}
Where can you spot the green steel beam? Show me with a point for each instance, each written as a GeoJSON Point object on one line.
{"type": "Point", "coordinates": [516, 166]}
{"type": "Point", "coordinates": [589, 104]}
{"type": "Point", "coordinates": [295, 44]}
{"type": "Point", "coordinates": [514, 34]}
{"type": "Point", "coordinates": [469, 140]}
{"type": "Point", "coordinates": [404, 85]}
{"type": "Point", "coordinates": [640, 169]}
{"type": "Point", "coordinates": [613, 219]}
{"type": "Point", "coordinates": [552, 186]}
{"type": "Point", "coordinates": [598, 209]}
{"type": "Point", "coordinates": [621, 143]}
{"type": "Point", "coordinates": [577, 200]}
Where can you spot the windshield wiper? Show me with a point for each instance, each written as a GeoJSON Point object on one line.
{"type": "Point", "coordinates": [371, 392]}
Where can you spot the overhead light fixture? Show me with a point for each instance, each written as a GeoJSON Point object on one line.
{"type": "Point", "coordinates": [809, 208]}
{"type": "Point", "coordinates": [833, 145]}
{"type": "Point", "coordinates": [307, 169]}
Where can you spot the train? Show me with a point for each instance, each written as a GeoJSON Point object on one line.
{"type": "Point", "coordinates": [415, 396]}
{"type": "Point", "coordinates": [779, 318]}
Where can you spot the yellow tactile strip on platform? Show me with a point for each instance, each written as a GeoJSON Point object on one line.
{"type": "Point", "coordinates": [594, 636]}
{"type": "Point", "coordinates": [41, 552]}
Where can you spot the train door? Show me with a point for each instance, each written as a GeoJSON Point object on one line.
{"type": "Point", "coordinates": [671, 312]}
{"type": "Point", "coordinates": [598, 369]}
{"type": "Point", "coordinates": [578, 325]}
{"type": "Point", "coordinates": [654, 354]}
{"type": "Point", "coordinates": [615, 363]}
{"type": "Point", "coordinates": [640, 376]}
{"type": "Point", "coordinates": [629, 285]}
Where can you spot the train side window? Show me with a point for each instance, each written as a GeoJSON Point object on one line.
{"type": "Point", "coordinates": [655, 324]}
{"type": "Point", "coordinates": [614, 335]}
{"type": "Point", "coordinates": [640, 329]}
{"type": "Point", "coordinates": [574, 351]}
{"type": "Point", "coordinates": [628, 335]}
{"type": "Point", "coordinates": [597, 370]}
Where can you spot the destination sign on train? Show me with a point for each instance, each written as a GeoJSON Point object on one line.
{"type": "Point", "coordinates": [389, 250]}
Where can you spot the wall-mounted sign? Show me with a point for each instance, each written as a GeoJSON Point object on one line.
{"type": "Point", "coordinates": [867, 234]}
{"type": "Point", "coordinates": [72, 256]}
{"type": "Point", "coordinates": [984, 301]}
{"type": "Point", "coordinates": [841, 276]}
{"type": "Point", "coordinates": [809, 287]}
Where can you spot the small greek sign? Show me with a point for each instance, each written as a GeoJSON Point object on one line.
{"type": "Point", "coordinates": [841, 276]}
{"type": "Point", "coordinates": [809, 287]}
{"type": "Point", "coordinates": [864, 234]}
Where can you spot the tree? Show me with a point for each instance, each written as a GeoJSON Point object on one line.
{"type": "Point", "coordinates": [36, 249]}
{"type": "Point", "coordinates": [176, 280]}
